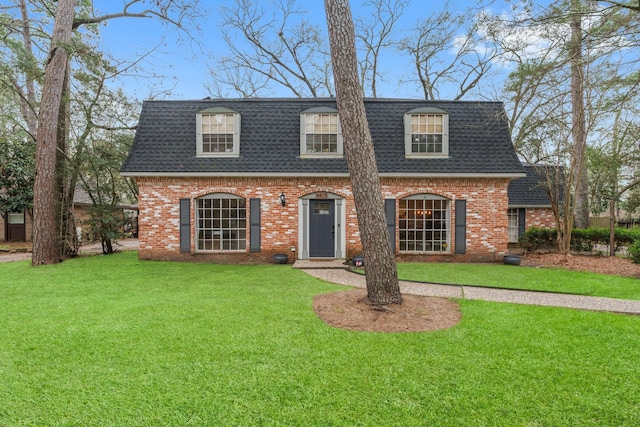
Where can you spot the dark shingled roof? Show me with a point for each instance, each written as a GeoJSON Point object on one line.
{"type": "Point", "coordinates": [165, 142]}
{"type": "Point", "coordinates": [528, 191]}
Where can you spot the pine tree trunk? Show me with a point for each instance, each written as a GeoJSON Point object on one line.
{"type": "Point", "coordinates": [45, 236]}
{"type": "Point", "coordinates": [381, 274]}
{"type": "Point", "coordinates": [67, 236]}
{"type": "Point", "coordinates": [578, 130]}
{"type": "Point", "coordinates": [28, 100]}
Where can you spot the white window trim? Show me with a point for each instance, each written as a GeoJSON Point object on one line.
{"type": "Point", "coordinates": [196, 228]}
{"type": "Point", "coordinates": [236, 132]}
{"type": "Point", "coordinates": [445, 133]}
{"type": "Point", "coordinates": [447, 229]}
{"type": "Point", "coordinates": [513, 227]}
{"type": "Point", "coordinates": [303, 135]}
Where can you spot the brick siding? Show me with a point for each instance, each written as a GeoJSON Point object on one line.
{"type": "Point", "coordinates": [540, 217]}
{"type": "Point", "coordinates": [158, 201]}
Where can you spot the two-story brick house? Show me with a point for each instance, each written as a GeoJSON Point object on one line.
{"type": "Point", "coordinates": [242, 179]}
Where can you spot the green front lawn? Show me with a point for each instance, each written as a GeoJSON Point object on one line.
{"type": "Point", "coordinates": [525, 278]}
{"type": "Point", "coordinates": [109, 340]}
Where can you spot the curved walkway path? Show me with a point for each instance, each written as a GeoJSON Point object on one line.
{"type": "Point", "coordinates": [337, 273]}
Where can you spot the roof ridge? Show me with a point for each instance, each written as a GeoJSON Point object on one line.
{"type": "Point", "coordinates": [324, 99]}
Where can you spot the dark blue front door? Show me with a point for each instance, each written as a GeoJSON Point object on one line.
{"type": "Point", "coordinates": [322, 228]}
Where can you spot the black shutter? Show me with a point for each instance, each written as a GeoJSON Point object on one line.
{"type": "Point", "coordinates": [185, 225]}
{"type": "Point", "coordinates": [254, 225]}
{"type": "Point", "coordinates": [461, 227]}
{"type": "Point", "coordinates": [522, 215]}
{"type": "Point", "coordinates": [390, 213]}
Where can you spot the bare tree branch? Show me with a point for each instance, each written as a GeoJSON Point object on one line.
{"type": "Point", "coordinates": [174, 12]}
{"type": "Point", "coordinates": [431, 46]}
{"type": "Point", "coordinates": [622, 5]}
{"type": "Point", "coordinates": [284, 49]}
{"type": "Point", "coordinates": [376, 34]}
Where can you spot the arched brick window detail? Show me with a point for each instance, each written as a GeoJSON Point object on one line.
{"type": "Point", "coordinates": [424, 223]}
{"type": "Point", "coordinates": [221, 223]}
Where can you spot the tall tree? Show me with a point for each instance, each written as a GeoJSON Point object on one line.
{"type": "Point", "coordinates": [45, 238]}
{"type": "Point", "coordinates": [613, 165]}
{"type": "Point", "coordinates": [24, 76]}
{"type": "Point", "coordinates": [382, 277]}
{"type": "Point", "coordinates": [280, 47]}
{"type": "Point", "coordinates": [376, 35]}
{"type": "Point", "coordinates": [277, 47]}
{"type": "Point", "coordinates": [448, 53]}
{"type": "Point", "coordinates": [573, 71]}
{"type": "Point", "coordinates": [578, 113]}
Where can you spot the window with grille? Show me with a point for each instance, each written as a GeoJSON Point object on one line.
{"type": "Point", "coordinates": [426, 133]}
{"type": "Point", "coordinates": [320, 134]}
{"type": "Point", "coordinates": [424, 224]}
{"type": "Point", "coordinates": [221, 223]}
{"type": "Point", "coordinates": [512, 225]}
{"type": "Point", "coordinates": [218, 132]}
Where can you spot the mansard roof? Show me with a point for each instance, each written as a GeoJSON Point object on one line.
{"type": "Point", "coordinates": [165, 142]}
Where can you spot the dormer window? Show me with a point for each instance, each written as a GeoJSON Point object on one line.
{"type": "Point", "coordinates": [320, 133]}
{"type": "Point", "coordinates": [218, 132]}
{"type": "Point", "coordinates": [426, 133]}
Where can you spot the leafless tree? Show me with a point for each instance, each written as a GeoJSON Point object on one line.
{"type": "Point", "coordinates": [448, 49]}
{"type": "Point", "coordinates": [566, 83]}
{"type": "Point", "coordinates": [281, 47]}
{"type": "Point", "coordinates": [376, 35]}
{"type": "Point", "coordinates": [613, 163]}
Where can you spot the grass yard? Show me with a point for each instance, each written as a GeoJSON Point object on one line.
{"type": "Point", "coordinates": [525, 278]}
{"type": "Point", "coordinates": [109, 340]}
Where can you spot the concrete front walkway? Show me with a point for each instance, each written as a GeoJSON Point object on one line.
{"type": "Point", "coordinates": [336, 272]}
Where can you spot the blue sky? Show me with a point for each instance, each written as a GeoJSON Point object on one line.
{"type": "Point", "coordinates": [185, 63]}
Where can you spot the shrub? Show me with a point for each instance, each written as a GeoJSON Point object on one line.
{"type": "Point", "coordinates": [582, 239]}
{"type": "Point", "coordinates": [634, 252]}
{"type": "Point", "coordinates": [537, 238]}
{"type": "Point", "coordinates": [626, 236]}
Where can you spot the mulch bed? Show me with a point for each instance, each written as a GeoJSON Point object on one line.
{"type": "Point", "coordinates": [350, 310]}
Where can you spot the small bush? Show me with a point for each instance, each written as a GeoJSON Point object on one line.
{"type": "Point", "coordinates": [538, 238]}
{"type": "Point", "coordinates": [626, 236]}
{"type": "Point", "coordinates": [581, 240]}
{"type": "Point", "coordinates": [634, 252]}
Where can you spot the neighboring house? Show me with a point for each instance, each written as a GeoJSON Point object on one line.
{"type": "Point", "coordinates": [529, 204]}
{"type": "Point", "coordinates": [243, 179]}
{"type": "Point", "coordinates": [82, 203]}
{"type": "Point", "coordinates": [18, 226]}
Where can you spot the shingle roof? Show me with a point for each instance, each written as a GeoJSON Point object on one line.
{"type": "Point", "coordinates": [165, 142]}
{"type": "Point", "coordinates": [528, 191]}
{"type": "Point", "coordinates": [82, 198]}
